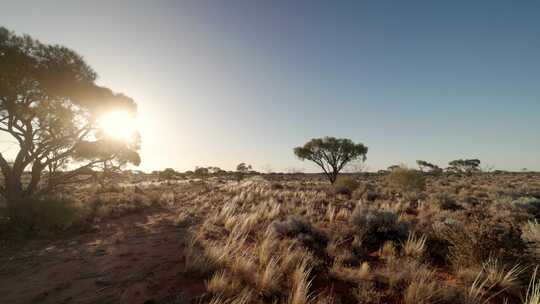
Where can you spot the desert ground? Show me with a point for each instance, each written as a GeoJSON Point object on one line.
{"type": "Point", "coordinates": [286, 238]}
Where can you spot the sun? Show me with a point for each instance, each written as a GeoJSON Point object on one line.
{"type": "Point", "coordinates": [118, 125]}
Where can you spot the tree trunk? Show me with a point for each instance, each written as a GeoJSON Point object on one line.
{"type": "Point", "coordinates": [13, 191]}
{"type": "Point", "coordinates": [37, 169]}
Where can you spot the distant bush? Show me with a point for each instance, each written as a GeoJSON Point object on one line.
{"type": "Point", "coordinates": [345, 185]}
{"type": "Point", "coordinates": [406, 180]}
{"type": "Point", "coordinates": [168, 174]}
{"type": "Point", "coordinates": [44, 214]}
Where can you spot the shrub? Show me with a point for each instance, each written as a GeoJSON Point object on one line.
{"type": "Point", "coordinates": [375, 226]}
{"type": "Point", "coordinates": [415, 246]}
{"type": "Point", "coordinates": [345, 185]}
{"type": "Point", "coordinates": [528, 204]}
{"type": "Point", "coordinates": [301, 230]}
{"type": "Point", "coordinates": [531, 234]}
{"type": "Point", "coordinates": [422, 290]}
{"type": "Point", "coordinates": [446, 202]}
{"type": "Point", "coordinates": [43, 214]}
{"type": "Point", "coordinates": [406, 180]}
{"type": "Point", "coordinates": [473, 242]}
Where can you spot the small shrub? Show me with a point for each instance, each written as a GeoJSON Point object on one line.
{"type": "Point", "coordinates": [422, 290]}
{"type": "Point", "coordinates": [531, 234]}
{"type": "Point", "coordinates": [43, 214]}
{"type": "Point", "coordinates": [375, 226]}
{"type": "Point", "coordinates": [502, 276]}
{"type": "Point", "coordinates": [473, 242]}
{"type": "Point", "coordinates": [301, 230]}
{"type": "Point", "coordinates": [406, 180]}
{"type": "Point", "coordinates": [445, 202]}
{"type": "Point", "coordinates": [528, 204]}
{"type": "Point", "coordinates": [366, 293]}
{"type": "Point", "coordinates": [415, 246]}
{"type": "Point", "coordinates": [345, 185]}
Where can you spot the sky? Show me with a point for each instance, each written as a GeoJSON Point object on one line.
{"type": "Point", "coordinates": [223, 82]}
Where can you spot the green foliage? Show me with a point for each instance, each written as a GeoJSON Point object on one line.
{"type": "Point", "coordinates": [375, 226]}
{"type": "Point", "coordinates": [302, 230]}
{"type": "Point", "coordinates": [201, 172]}
{"type": "Point", "coordinates": [406, 180]}
{"type": "Point", "coordinates": [331, 154]}
{"type": "Point", "coordinates": [473, 241]}
{"type": "Point", "coordinates": [428, 167]}
{"type": "Point", "coordinates": [243, 168]}
{"type": "Point", "coordinates": [345, 185]}
{"type": "Point", "coordinates": [42, 215]}
{"type": "Point", "coordinates": [464, 166]}
{"type": "Point", "coordinates": [50, 106]}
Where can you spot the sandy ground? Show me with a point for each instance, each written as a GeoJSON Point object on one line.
{"type": "Point", "coordinates": [133, 259]}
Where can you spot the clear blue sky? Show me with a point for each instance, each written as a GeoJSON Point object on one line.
{"type": "Point", "coordinates": [219, 82]}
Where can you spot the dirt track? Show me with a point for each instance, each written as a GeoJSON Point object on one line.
{"type": "Point", "coordinates": [133, 259]}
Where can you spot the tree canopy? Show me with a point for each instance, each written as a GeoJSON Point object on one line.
{"type": "Point", "coordinates": [331, 154]}
{"type": "Point", "coordinates": [464, 165]}
{"type": "Point", "coordinates": [428, 167]}
{"type": "Point", "coordinates": [243, 168]}
{"type": "Point", "coordinates": [50, 105]}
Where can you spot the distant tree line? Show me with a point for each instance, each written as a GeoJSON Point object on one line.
{"type": "Point", "coordinates": [242, 170]}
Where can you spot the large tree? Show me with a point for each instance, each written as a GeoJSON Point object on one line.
{"type": "Point", "coordinates": [331, 154]}
{"type": "Point", "coordinates": [50, 107]}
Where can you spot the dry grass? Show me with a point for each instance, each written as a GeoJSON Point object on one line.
{"type": "Point", "coordinates": [301, 242]}
{"type": "Point", "coordinates": [414, 246]}
{"type": "Point", "coordinates": [301, 284]}
{"type": "Point", "coordinates": [277, 240]}
{"type": "Point", "coordinates": [422, 290]}
{"type": "Point", "coordinates": [533, 291]}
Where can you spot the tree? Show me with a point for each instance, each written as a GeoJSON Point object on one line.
{"type": "Point", "coordinates": [331, 154]}
{"type": "Point", "coordinates": [428, 167]}
{"type": "Point", "coordinates": [392, 167]}
{"type": "Point", "coordinates": [201, 172]}
{"type": "Point", "coordinates": [243, 168]}
{"type": "Point", "coordinates": [356, 167]}
{"type": "Point", "coordinates": [50, 106]}
{"type": "Point", "coordinates": [215, 170]}
{"type": "Point", "coordinates": [168, 174]}
{"type": "Point", "coordinates": [464, 166]}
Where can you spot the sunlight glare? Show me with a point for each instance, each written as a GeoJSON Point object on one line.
{"type": "Point", "coordinates": [119, 125]}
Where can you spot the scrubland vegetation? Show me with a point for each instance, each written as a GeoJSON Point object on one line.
{"type": "Point", "coordinates": [395, 238]}
{"type": "Point", "coordinates": [398, 237]}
